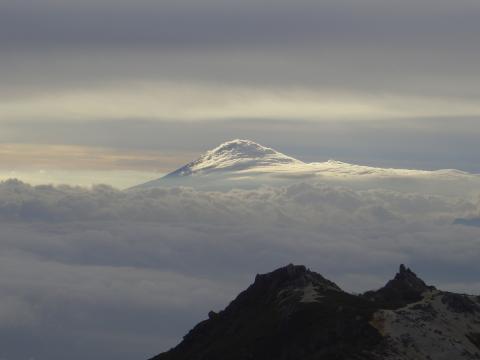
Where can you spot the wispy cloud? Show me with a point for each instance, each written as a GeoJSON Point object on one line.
{"type": "Point", "coordinates": [167, 102]}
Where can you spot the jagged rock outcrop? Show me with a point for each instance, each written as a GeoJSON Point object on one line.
{"type": "Point", "coordinates": [293, 313]}
{"type": "Point", "coordinates": [403, 289]}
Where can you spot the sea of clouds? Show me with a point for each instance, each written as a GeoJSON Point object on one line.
{"type": "Point", "coordinates": [103, 273]}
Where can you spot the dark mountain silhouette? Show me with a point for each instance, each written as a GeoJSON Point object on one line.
{"type": "Point", "coordinates": [293, 313]}
{"type": "Point", "coordinates": [403, 289]}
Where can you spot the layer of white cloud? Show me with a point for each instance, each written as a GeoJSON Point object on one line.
{"type": "Point", "coordinates": [187, 102]}
{"type": "Point", "coordinates": [126, 274]}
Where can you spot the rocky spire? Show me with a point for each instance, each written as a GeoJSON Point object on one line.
{"type": "Point", "coordinates": [406, 287]}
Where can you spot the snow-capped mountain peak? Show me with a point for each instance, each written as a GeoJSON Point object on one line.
{"type": "Point", "coordinates": [235, 155]}
{"type": "Point", "coordinates": [245, 164]}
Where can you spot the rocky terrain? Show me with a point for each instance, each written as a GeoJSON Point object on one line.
{"type": "Point", "coordinates": [293, 313]}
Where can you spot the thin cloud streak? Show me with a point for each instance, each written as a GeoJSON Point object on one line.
{"type": "Point", "coordinates": [193, 102]}
{"type": "Point", "coordinates": [71, 157]}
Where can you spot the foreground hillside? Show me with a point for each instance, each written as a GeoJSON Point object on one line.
{"type": "Point", "coordinates": [293, 313]}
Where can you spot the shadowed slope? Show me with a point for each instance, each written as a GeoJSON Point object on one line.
{"type": "Point", "coordinates": [293, 313]}
{"type": "Point", "coordinates": [290, 313]}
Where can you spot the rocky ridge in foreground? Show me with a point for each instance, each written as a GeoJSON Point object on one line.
{"type": "Point", "coordinates": [293, 313]}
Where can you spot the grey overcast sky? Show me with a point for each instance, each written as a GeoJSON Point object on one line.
{"type": "Point", "coordinates": [143, 86]}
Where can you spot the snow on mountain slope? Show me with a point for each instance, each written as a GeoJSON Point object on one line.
{"type": "Point", "coordinates": [246, 164]}
{"type": "Point", "coordinates": [235, 155]}
{"type": "Point", "coordinates": [439, 326]}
